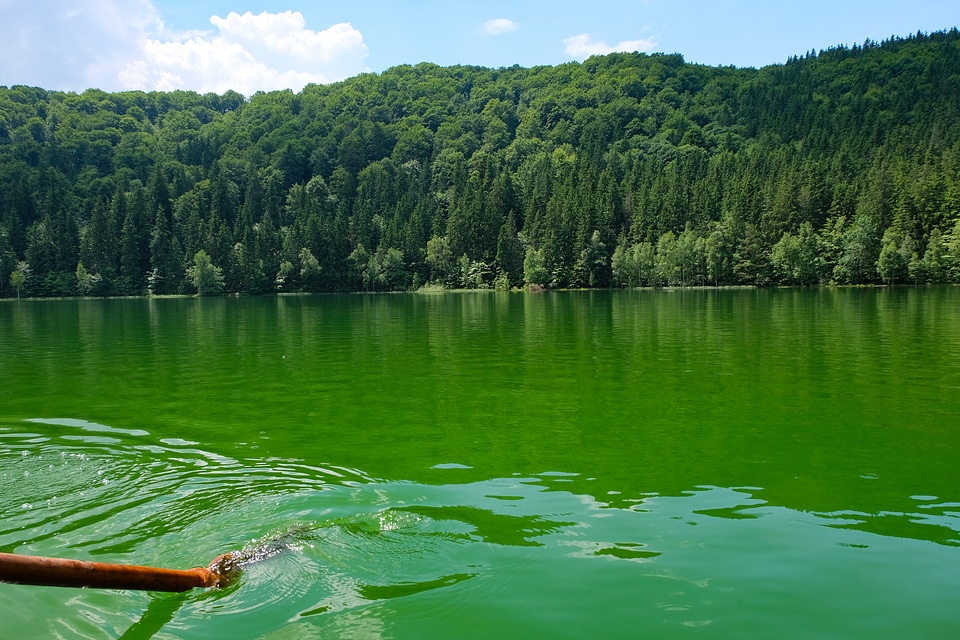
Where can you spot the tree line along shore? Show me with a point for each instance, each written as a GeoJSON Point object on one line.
{"type": "Point", "coordinates": [838, 166]}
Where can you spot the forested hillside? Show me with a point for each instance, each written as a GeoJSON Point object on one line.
{"type": "Point", "coordinates": [624, 170]}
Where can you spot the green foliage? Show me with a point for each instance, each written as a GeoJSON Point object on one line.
{"type": "Point", "coordinates": [634, 266]}
{"type": "Point", "coordinates": [87, 282]}
{"type": "Point", "coordinates": [861, 250]}
{"type": "Point", "coordinates": [439, 258]}
{"type": "Point", "coordinates": [624, 170]}
{"type": "Point", "coordinates": [534, 268]}
{"type": "Point", "coordinates": [474, 274]}
{"type": "Point", "coordinates": [937, 260]}
{"type": "Point", "coordinates": [796, 259]}
{"type": "Point", "coordinates": [205, 277]}
{"type": "Point", "coordinates": [284, 275]}
{"type": "Point", "coordinates": [20, 277]}
{"type": "Point", "coordinates": [892, 264]}
{"type": "Point", "coordinates": [309, 270]}
{"type": "Point", "coordinates": [387, 270]}
{"type": "Point", "coordinates": [510, 253]}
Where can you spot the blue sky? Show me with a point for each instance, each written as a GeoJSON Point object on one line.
{"type": "Point", "coordinates": [267, 44]}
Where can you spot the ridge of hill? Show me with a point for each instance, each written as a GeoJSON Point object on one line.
{"type": "Point", "coordinates": [623, 170]}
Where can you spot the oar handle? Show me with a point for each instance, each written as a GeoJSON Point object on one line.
{"type": "Point", "coordinates": [58, 572]}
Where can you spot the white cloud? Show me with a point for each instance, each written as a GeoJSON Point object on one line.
{"type": "Point", "coordinates": [250, 53]}
{"type": "Point", "coordinates": [583, 46]}
{"type": "Point", "coordinates": [123, 44]}
{"type": "Point", "coordinates": [499, 26]}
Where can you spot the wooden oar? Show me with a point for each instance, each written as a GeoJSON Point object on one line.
{"type": "Point", "coordinates": [57, 572]}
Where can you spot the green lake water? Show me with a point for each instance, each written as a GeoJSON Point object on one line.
{"type": "Point", "coordinates": [637, 464]}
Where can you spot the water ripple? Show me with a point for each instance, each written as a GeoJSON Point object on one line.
{"type": "Point", "coordinates": [323, 549]}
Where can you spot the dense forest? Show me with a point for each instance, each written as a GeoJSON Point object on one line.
{"type": "Point", "coordinates": [841, 166]}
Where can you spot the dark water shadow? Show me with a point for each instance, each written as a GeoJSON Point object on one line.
{"type": "Point", "coordinates": [159, 612]}
{"type": "Point", "coordinates": [495, 528]}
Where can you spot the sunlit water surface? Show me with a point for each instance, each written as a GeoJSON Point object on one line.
{"type": "Point", "coordinates": [731, 464]}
